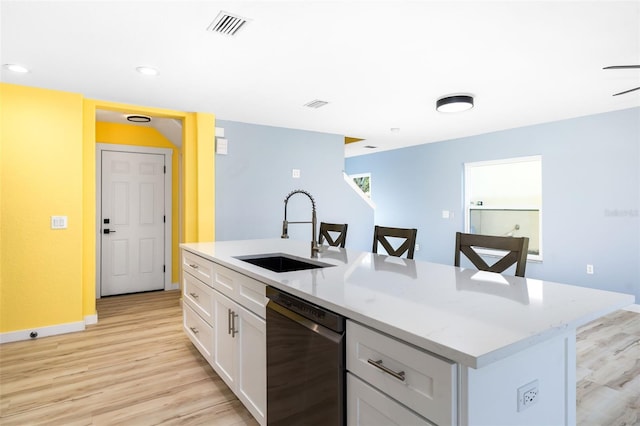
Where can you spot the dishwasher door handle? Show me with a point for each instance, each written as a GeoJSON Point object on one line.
{"type": "Point", "coordinates": [308, 324]}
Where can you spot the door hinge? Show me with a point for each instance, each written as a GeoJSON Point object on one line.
{"type": "Point", "coordinates": [164, 219]}
{"type": "Point", "coordinates": [164, 268]}
{"type": "Point", "coordinates": [165, 169]}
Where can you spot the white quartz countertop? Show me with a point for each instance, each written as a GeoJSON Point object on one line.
{"type": "Point", "coordinates": [471, 317]}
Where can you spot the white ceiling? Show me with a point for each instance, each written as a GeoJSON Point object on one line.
{"type": "Point", "coordinates": [380, 65]}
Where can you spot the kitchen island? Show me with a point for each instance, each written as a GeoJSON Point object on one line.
{"type": "Point", "coordinates": [500, 335]}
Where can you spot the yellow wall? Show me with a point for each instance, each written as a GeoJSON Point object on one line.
{"type": "Point", "coordinates": [42, 170]}
{"type": "Point", "coordinates": [89, 229]}
{"type": "Point", "coordinates": [47, 167]}
{"type": "Point", "coordinates": [199, 174]}
{"type": "Point", "coordinates": [131, 134]}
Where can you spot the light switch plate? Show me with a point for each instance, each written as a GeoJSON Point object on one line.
{"type": "Point", "coordinates": [58, 222]}
{"type": "Point", "coordinates": [222, 146]}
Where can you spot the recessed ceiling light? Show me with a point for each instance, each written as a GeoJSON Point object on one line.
{"type": "Point", "coordinates": [454, 103]}
{"type": "Point", "coordinates": [395, 130]}
{"type": "Point", "coordinates": [147, 70]}
{"type": "Point", "coordinates": [16, 68]}
{"type": "Point", "coordinates": [135, 118]}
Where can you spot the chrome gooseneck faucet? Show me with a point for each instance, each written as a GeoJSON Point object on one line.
{"type": "Point", "coordinates": [285, 224]}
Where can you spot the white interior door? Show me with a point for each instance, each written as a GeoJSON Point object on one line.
{"type": "Point", "coordinates": [132, 219]}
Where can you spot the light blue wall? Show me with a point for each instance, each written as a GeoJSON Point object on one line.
{"type": "Point", "coordinates": [253, 179]}
{"type": "Point", "coordinates": [591, 194]}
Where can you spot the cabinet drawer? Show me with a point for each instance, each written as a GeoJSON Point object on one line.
{"type": "Point", "coordinates": [423, 382]}
{"type": "Point", "coordinates": [366, 406]}
{"type": "Point", "coordinates": [199, 296]}
{"type": "Point", "coordinates": [244, 290]}
{"type": "Point", "coordinates": [197, 266]}
{"type": "Point", "coordinates": [200, 333]}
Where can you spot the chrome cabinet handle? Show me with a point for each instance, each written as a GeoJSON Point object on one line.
{"type": "Point", "coordinates": [234, 331]}
{"type": "Point", "coordinates": [193, 330]}
{"type": "Point", "coordinates": [194, 295]}
{"type": "Point", "coordinates": [378, 363]}
{"type": "Point", "coordinates": [193, 265]}
{"type": "Point", "coordinates": [231, 320]}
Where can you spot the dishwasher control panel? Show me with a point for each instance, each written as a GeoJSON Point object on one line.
{"type": "Point", "coordinates": [308, 310]}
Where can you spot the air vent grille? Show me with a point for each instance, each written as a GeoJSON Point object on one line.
{"type": "Point", "coordinates": [316, 104]}
{"type": "Point", "coordinates": [227, 23]}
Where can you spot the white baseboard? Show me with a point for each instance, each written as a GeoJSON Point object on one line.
{"type": "Point", "coordinates": [633, 308]}
{"type": "Point", "coordinates": [91, 319]}
{"type": "Point", "coordinates": [52, 330]}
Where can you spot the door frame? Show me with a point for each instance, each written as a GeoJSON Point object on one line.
{"type": "Point", "coordinates": [168, 153]}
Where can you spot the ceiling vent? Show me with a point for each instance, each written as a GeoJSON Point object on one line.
{"type": "Point", "coordinates": [316, 104]}
{"type": "Point", "coordinates": [227, 23]}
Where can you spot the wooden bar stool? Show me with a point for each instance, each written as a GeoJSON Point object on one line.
{"type": "Point", "coordinates": [328, 231]}
{"type": "Point", "coordinates": [381, 235]}
{"type": "Point", "coordinates": [516, 248]}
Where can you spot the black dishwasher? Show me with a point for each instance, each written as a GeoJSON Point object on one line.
{"type": "Point", "coordinates": [305, 363]}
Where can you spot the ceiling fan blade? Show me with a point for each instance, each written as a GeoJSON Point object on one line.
{"type": "Point", "coordinates": [627, 91]}
{"type": "Point", "coordinates": [621, 67]}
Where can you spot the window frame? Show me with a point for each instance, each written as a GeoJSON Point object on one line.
{"type": "Point", "coordinates": [361, 175]}
{"type": "Point", "coordinates": [468, 198]}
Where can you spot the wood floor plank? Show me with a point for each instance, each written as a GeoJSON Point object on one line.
{"type": "Point", "coordinates": [137, 367]}
{"type": "Point", "coordinates": [608, 357]}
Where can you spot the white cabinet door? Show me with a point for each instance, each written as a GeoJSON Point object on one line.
{"type": "Point", "coordinates": [240, 354]}
{"type": "Point", "coordinates": [419, 380]}
{"type": "Point", "coordinates": [224, 348]}
{"type": "Point", "coordinates": [199, 332]}
{"type": "Point", "coordinates": [366, 406]}
{"type": "Point", "coordinates": [252, 365]}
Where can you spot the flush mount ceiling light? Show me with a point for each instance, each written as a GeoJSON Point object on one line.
{"type": "Point", "coordinates": [454, 103]}
{"type": "Point", "coordinates": [16, 68]}
{"type": "Point", "coordinates": [138, 118]}
{"type": "Point", "coordinates": [147, 71]}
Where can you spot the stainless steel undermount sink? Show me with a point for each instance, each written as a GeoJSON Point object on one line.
{"type": "Point", "coordinates": [281, 262]}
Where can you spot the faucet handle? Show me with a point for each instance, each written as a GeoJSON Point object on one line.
{"type": "Point", "coordinates": [285, 229]}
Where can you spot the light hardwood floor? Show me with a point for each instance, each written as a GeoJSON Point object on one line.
{"type": "Point", "coordinates": [137, 367]}
{"type": "Point", "coordinates": [608, 373]}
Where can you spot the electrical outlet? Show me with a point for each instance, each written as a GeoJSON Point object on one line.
{"type": "Point", "coordinates": [295, 173]}
{"type": "Point", "coordinates": [590, 269]}
{"type": "Point", "coordinates": [528, 395]}
{"type": "Point", "coordinates": [417, 247]}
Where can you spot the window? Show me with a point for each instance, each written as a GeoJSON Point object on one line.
{"type": "Point", "coordinates": [363, 181]}
{"type": "Point", "coordinates": [504, 198]}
